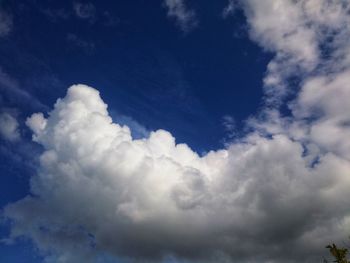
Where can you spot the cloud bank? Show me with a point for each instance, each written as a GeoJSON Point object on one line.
{"type": "Point", "coordinates": [279, 194]}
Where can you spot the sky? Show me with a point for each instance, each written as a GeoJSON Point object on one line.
{"type": "Point", "coordinates": [174, 130]}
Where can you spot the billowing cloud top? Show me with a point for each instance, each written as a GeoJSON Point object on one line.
{"type": "Point", "coordinates": [280, 194]}
{"type": "Point", "coordinates": [150, 198]}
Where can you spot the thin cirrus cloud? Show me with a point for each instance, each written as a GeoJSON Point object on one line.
{"type": "Point", "coordinates": [279, 194]}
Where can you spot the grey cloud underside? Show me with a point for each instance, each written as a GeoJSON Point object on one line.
{"type": "Point", "coordinates": [280, 194]}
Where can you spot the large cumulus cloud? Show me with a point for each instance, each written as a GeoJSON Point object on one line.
{"type": "Point", "coordinates": [279, 194]}
{"type": "Point", "coordinates": [99, 191]}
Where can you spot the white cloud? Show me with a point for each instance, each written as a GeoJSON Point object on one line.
{"type": "Point", "coordinates": [280, 26]}
{"type": "Point", "coordinates": [9, 126]}
{"type": "Point", "coordinates": [281, 191]}
{"type": "Point", "coordinates": [143, 198]}
{"type": "Point", "coordinates": [185, 18]}
{"type": "Point", "coordinates": [36, 123]}
{"type": "Point", "coordinates": [309, 39]}
{"type": "Point", "coordinates": [6, 23]}
{"type": "Point", "coordinates": [299, 33]}
{"type": "Point", "coordinates": [327, 97]}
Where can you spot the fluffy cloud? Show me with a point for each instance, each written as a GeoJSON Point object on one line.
{"type": "Point", "coordinates": [9, 126]}
{"type": "Point", "coordinates": [98, 191]}
{"type": "Point", "coordinates": [305, 35]}
{"type": "Point", "coordinates": [279, 194]}
{"type": "Point", "coordinates": [281, 27]}
{"type": "Point", "coordinates": [186, 19]}
{"type": "Point", "coordinates": [309, 39]}
{"type": "Point", "coordinates": [326, 97]}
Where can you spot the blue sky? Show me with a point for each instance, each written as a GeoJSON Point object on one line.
{"type": "Point", "coordinates": [237, 110]}
{"type": "Point", "coordinates": [148, 63]}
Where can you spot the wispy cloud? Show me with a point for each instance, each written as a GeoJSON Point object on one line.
{"type": "Point", "coordinates": [230, 8]}
{"type": "Point", "coordinates": [86, 11]}
{"type": "Point", "coordinates": [9, 127]}
{"type": "Point", "coordinates": [87, 46]}
{"type": "Point", "coordinates": [11, 90]}
{"type": "Point", "coordinates": [230, 128]}
{"type": "Point", "coordinates": [6, 23]}
{"type": "Point", "coordinates": [185, 18]}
